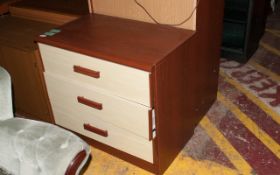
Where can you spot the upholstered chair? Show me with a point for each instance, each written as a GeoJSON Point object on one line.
{"type": "Point", "coordinates": [29, 147]}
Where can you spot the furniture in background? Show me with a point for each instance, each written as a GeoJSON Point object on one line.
{"type": "Point", "coordinates": [134, 89]}
{"type": "Point", "coordinates": [50, 11]}
{"type": "Point", "coordinates": [271, 6]}
{"type": "Point", "coordinates": [19, 55]}
{"type": "Point", "coordinates": [244, 23]}
{"type": "Point", "coordinates": [31, 147]}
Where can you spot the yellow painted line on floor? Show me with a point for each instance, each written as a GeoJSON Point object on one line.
{"type": "Point", "coordinates": [225, 146]}
{"type": "Point", "coordinates": [265, 71]}
{"type": "Point", "coordinates": [269, 142]}
{"type": "Point", "coordinates": [270, 49]}
{"type": "Point", "coordinates": [105, 164]}
{"type": "Point", "coordinates": [273, 114]}
{"type": "Point", "coordinates": [189, 166]}
{"type": "Point", "coordinates": [275, 33]}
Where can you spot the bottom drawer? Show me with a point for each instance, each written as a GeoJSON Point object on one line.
{"type": "Point", "coordinates": [116, 137]}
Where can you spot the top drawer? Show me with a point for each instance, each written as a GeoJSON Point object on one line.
{"type": "Point", "coordinates": [120, 80]}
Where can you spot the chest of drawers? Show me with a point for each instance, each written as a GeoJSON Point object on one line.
{"type": "Point", "coordinates": [102, 100]}
{"type": "Point", "coordinates": [124, 86]}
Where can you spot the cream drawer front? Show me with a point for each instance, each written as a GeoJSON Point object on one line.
{"type": "Point", "coordinates": [117, 111]}
{"type": "Point", "coordinates": [117, 137]}
{"type": "Point", "coordinates": [123, 81]}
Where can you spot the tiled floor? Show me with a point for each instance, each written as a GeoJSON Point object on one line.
{"type": "Point", "coordinates": [241, 132]}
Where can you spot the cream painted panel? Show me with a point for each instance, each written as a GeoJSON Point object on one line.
{"type": "Point", "coordinates": [123, 81]}
{"type": "Point", "coordinates": [117, 111]}
{"type": "Point", "coordinates": [117, 137]}
{"type": "Point", "coordinates": [165, 11]}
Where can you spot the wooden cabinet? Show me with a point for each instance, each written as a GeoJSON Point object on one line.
{"type": "Point", "coordinates": [133, 89]}
{"type": "Point", "coordinates": [19, 55]}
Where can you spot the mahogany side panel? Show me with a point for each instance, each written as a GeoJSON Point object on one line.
{"type": "Point", "coordinates": [186, 83]}
{"type": "Point", "coordinates": [205, 47]}
{"type": "Point", "coordinates": [174, 125]}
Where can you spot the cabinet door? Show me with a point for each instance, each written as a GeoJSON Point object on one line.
{"type": "Point", "coordinates": [30, 99]}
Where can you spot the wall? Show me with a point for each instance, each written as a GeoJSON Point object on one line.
{"type": "Point", "coordinates": [165, 11]}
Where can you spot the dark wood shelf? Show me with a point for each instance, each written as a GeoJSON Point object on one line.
{"type": "Point", "coordinates": [230, 20]}
{"type": "Point", "coordinates": [244, 22]}
{"type": "Point", "coordinates": [74, 7]}
{"type": "Point", "coordinates": [235, 15]}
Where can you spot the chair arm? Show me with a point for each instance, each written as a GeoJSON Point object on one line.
{"type": "Point", "coordinates": [77, 163]}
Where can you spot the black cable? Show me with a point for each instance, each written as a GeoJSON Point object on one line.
{"type": "Point", "coordinates": [174, 25]}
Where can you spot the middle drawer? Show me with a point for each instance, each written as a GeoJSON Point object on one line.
{"type": "Point", "coordinates": [80, 99]}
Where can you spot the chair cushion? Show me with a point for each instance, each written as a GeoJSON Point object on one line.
{"type": "Point", "coordinates": [29, 147]}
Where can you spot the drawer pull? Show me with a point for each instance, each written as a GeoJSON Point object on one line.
{"type": "Point", "coordinates": [89, 103]}
{"type": "Point", "coordinates": [95, 130]}
{"type": "Point", "coordinates": [85, 71]}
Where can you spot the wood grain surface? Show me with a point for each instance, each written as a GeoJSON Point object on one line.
{"type": "Point", "coordinates": [20, 33]}
{"type": "Point", "coordinates": [186, 83]}
{"type": "Point", "coordinates": [167, 12]}
{"type": "Point", "coordinates": [19, 55]}
{"type": "Point", "coordinates": [132, 43]}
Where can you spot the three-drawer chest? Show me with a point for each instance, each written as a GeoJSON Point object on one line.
{"type": "Point", "coordinates": [125, 86]}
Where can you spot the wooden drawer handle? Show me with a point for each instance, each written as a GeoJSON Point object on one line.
{"type": "Point", "coordinates": [90, 103]}
{"type": "Point", "coordinates": [95, 130]}
{"type": "Point", "coordinates": [85, 71]}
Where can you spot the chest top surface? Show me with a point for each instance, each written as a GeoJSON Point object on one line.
{"type": "Point", "coordinates": [137, 44]}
